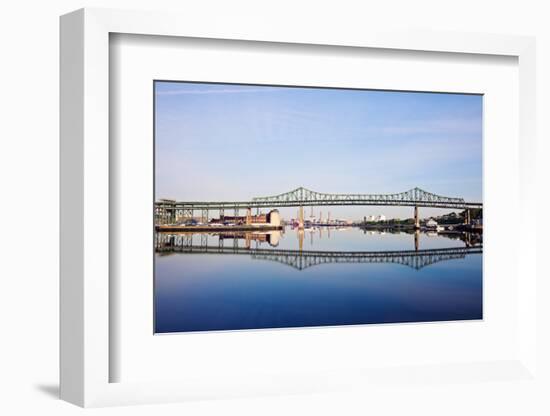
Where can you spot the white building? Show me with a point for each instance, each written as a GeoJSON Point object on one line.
{"type": "Point", "coordinates": [274, 218]}
{"type": "Point", "coordinates": [431, 223]}
{"type": "Point", "coordinates": [376, 218]}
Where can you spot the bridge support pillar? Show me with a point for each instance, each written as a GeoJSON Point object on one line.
{"type": "Point", "coordinates": [416, 218]}
{"type": "Point", "coordinates": [467, 215]}
{"type": "Point", "coordinates": [248, 216]}
{"type": "Point", "coordinates": [301, 217]}
{"type": "Point", "coordinates": [416, 240]}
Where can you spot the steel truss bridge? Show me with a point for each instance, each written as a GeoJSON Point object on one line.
{"type": "Point", "coordinates": [301, 260]}
{"type": "Point", "coordinates": [167, 211]}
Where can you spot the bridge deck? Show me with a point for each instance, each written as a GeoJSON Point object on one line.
{"type": "Point", "coordinates": [198, 205]}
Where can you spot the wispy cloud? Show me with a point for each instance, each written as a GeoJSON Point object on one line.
{"type": "Point", "coordinates": [456, 125]}
{"type": "Point", "coordinates": [216, 91]}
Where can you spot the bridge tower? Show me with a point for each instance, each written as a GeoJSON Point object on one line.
{"type": "Point", "coordinates": [467, 217]}
{"type": "Point", "coordinates": [416, 218]}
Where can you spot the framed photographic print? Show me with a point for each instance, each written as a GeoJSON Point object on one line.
{"type": "Point", "coordinates": [266, 212]}
{"type": "Point", "coordinates": [220, 245]}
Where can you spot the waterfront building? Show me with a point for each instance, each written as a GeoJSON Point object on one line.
{"type": "Point", "coordinates": [431, 223]}
{"type": "Point", "coordinates": [272, 218]}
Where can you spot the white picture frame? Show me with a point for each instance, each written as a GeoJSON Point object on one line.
{"type": "Point", "coordinates": [85, 215]}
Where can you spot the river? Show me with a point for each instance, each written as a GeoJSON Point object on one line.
{"type": "Point", "coordinates": [314, 277]}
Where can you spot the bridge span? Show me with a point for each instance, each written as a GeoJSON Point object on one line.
{"type": "Point", "coordinates": [169, 211]}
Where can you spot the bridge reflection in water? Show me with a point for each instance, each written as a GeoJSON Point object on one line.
{"type": "Point", "coordinates": [303, 259]}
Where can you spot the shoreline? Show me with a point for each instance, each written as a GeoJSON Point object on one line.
{"type": "Point", "coordinates": [456, 228]}
{"type": "Point", "coordinates": [215, 229]}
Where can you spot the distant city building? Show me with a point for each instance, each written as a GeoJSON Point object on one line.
{"type": "Point", "coordinates": [376, 218]}
{"type": "Point", "coordinates": [431, 223]}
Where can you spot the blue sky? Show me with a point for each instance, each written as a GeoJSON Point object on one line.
{"type": "Point", "coordinates": [234, 142]}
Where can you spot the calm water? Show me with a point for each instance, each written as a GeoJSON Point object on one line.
{"type": "Point", "coordinates": [262, 281]}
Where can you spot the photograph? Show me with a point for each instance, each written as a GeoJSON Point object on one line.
{"type": "Point", "coordinates": [288, 206]}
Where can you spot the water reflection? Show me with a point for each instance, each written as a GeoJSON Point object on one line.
{"type": "Point", "coordinates": [242, 280]}
{"type": "Point", "coordinates": [343, 239]}
{"type": "Point", "coordinates": [303, 259]}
